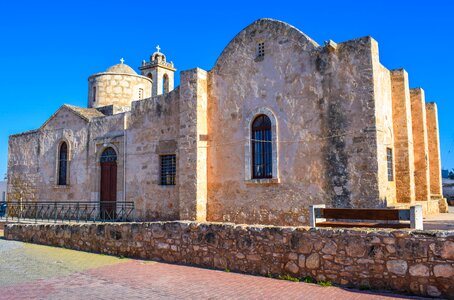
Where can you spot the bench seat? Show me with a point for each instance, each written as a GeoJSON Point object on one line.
{"type": "Point", "coordinates": [320, 216]}
{"type": "Point", "coordinates": [361, 224]}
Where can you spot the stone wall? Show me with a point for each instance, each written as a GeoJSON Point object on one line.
{"type": "Point", "coordinates": [193, 145]}
{"type": "Point", "coordinates": [152, 131]}
{"type": "Point", "coordinates": [23, 165]}
{"type": "Point", "coordinates": [406, 261]}
{"type": "Point", "coordinates": [385, 131]}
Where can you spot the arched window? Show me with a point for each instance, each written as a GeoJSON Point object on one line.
{"type": "Point", "coordinates": [63, 164]}
{"type": "Point", "coordinates": [262, 147]}
{"type": "Point", "coordinates": [165, 83]}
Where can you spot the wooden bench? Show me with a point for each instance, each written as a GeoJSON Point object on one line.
{"type": "Point", "coordinates": [320, 216]}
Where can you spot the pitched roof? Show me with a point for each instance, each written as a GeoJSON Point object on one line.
{"type": "Point", "coordinates": [87, 114]}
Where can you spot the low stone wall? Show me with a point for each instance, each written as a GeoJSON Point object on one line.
{"type": "Point", "coordinates": [418, 262]}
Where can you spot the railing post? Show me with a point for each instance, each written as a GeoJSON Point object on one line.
{"type": "Point", "coordinates": [78, 212]}
{"type": "Point", "coordinates": [416, 220]}
{"type": "Point", "coordinates": [55, 212]}
{"type": "Point", "coordinates": [313, 214]}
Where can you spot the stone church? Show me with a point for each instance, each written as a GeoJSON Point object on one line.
{"type": "Point", "coordinates": [279, 123]}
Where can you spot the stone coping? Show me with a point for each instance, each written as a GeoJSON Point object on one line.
{"type": "Point", "coordinates": [258, 227]}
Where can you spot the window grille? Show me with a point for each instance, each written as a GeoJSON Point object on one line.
{"type": "Point", "coordinates": [260, 50]}
{"type": "Point", "coordinates": [262, 161]}
{"type": "Point", "coordinates": [168, 169]}
{"type": "Point", "coordinates": [108, 155]}
{"type": "Point", "coordinates": [140, 94]}
{"type": "Point", "coordinates": [389, 158]}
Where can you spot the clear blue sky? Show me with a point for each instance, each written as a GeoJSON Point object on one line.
{"type": "Point", "coordinates": [49, 48]}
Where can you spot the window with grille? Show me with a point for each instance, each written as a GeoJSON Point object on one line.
{"type": "Point", "coordinates": [63, 164]}
{"type": "Point", "coordinates": [140, 94]}
{"type": "Point", "coordinates": [168, 169]}
{"type": "Point", "coordinates": [260, 50]}
{"type": "Point", "coordinates": [389, 158]}
{"type": "Point", "coordinates": [262, 161]}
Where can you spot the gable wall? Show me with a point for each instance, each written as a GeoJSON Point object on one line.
{"type": "Point", "coordinates": [324, 107]}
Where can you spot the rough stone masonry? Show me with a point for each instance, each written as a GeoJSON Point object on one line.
{"type": "Point", "coordinates": [417, 262]}
{"type": "Point", "coordinates": [343, 131]}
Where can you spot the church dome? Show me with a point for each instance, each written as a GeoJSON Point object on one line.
{"type": "Point", "coordinates": [121, 68]}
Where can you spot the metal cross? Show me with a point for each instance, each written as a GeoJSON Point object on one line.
{"type": "Point", "coordinates": [158, 48]}
{"type": "Point", "coordinates": [122, 60]}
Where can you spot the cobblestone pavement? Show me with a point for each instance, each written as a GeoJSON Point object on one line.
{"type": "Point", "coordinates": [29, 271]}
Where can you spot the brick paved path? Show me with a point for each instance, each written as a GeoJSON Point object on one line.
{"type": "Point", "coordinates": [30, 271]}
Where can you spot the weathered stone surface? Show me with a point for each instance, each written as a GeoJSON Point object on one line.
{"type": "Point", "coordinates": [126, 87]}
{"type": "Point", "coordinates": [419, 270]}
{"type": "Point", "coordinates": [445, 270]}
{"type": "Point", "coordinates": [448, 250]}
{"type": "Point", "coordinates": [302, 261]}
{"type": "Point", "coordinates": [434, 149]}
{"type": "Point", "coordinates": [403, 137]}
{"type": "Point", "coordinates": [433, 291]}
{"type": "Point", "coordinates": [313, 261]}
{"type": "Point", "coordinates": [330, 248]}
{"type": "Point", "coordinates": [420, 144]}
{"type": "Point", "coordinates": [356, 247]}
{"type": "Point", "coordinates": [398, 267]}
{"type": "Point", "coordinates": [291, 267]}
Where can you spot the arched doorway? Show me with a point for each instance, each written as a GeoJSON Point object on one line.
{"type": "Point", "coordinates": [108, 197]}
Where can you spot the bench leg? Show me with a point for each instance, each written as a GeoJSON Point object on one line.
{"type": "Point", "coordinates": [416, 221]}
{"type": "Point", "coordinates": [314, 214]}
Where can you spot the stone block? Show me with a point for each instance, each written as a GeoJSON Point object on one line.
{"type": "Point", "coordinates": [398, 267]}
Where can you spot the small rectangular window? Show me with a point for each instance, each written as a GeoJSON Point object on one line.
{"type": "Point", "coordinates": [4, 196]}
{"type": "Point", "coordinates": [168, 169]}
{"type": "Point", "coordinates": [389, 159]}
{"type": "Point", "coordinates": [260, 50]}
{"type": "Point", "coordinates": [94, 94]}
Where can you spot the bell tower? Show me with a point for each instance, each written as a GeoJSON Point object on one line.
{"type": "Point", "coordinates": [160, 72]}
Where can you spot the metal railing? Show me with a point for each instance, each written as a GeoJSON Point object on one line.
{"type": "Point", "coordinates": [75, 211]}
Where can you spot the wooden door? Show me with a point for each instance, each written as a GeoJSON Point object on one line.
{"type": "Point", "coordinates": [108, 199]}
